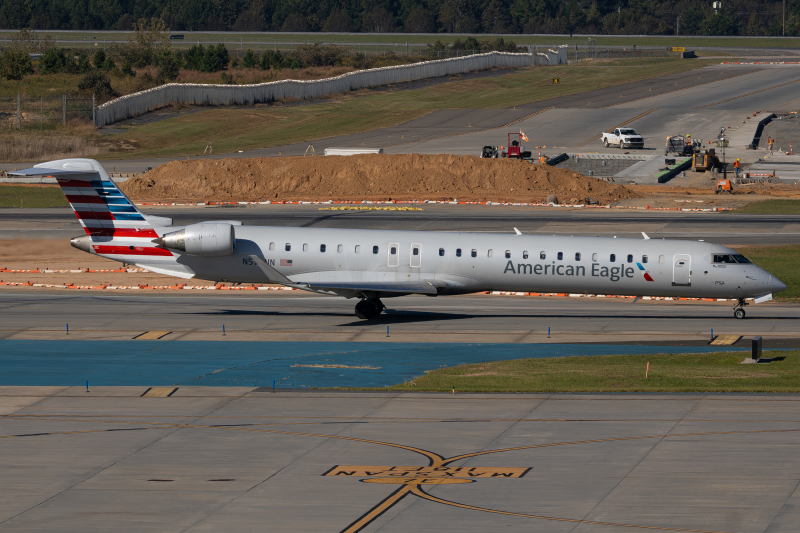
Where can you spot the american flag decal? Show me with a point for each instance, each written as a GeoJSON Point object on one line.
{"type": "Point", "coordinates": [286, 262]}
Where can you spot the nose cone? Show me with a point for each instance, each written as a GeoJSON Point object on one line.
{"type": "Point", "coordinates": [84, 242]}
{"type": "Point", "coordinates": [777, 285]}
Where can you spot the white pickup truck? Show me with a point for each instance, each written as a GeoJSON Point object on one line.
{"type": "Point", "coordinates": [624, 138]}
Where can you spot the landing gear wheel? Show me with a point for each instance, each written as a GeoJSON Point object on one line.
{"type": "Point", "coordinates": [368, 309]}
{"type": "Point", "coordinates": [738, 309]}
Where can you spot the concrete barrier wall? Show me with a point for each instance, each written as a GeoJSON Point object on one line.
{"type": "Point", "coordinates": [200, 94]}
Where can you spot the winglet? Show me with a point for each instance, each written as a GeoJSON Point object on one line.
{"type": "Point", "coordinates": [645, 236]}
{"type": "Point", "coordinates": [518, 232]}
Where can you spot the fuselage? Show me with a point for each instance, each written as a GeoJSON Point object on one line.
{"type": "Point", "coordinates": [472, 262]}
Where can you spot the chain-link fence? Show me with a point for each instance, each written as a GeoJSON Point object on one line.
{"type": "Point", "coordinates": [25, 113]}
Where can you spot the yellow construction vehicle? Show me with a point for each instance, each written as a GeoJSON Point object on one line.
{"type": "Point", "coordinates": [705, 160]}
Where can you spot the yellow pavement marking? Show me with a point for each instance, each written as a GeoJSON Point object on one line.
{"type": "Point", "coordinates": [417, 481]}
{"type": "Point", "coordinates": [747, 94]}
{"type": "Point", "coordinates": [159, 392]}
{"type": "Point", "coordinates": [725, 340]}
{"type": "Point", "coordinates": [360, 208]}
{"type": "Point", "coordinates": [151, 335]}
{"type": "Point", "coordinates": [428, 471]}
{"type": "Point", "coordinates": [417, 491]}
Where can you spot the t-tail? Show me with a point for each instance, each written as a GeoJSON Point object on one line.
{"type": "Point", "coordinates": [114, 226]}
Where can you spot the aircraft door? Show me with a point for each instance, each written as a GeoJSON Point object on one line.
{"type": "Point", "coordinates": [682, 270]}
{"type": "Point", "coordinates": [416, 255]}
{"type": "Point", "coordinates": [394, 254]}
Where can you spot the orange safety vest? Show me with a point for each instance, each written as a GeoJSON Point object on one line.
{"type": "Point", "coordinates": [736, 164]}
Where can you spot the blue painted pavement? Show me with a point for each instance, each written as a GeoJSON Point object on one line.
{"type": "Point", "coordinates": [257, 364]}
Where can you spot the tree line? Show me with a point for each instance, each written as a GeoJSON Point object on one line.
{"type": "Point", "coordinates": [687, 17]}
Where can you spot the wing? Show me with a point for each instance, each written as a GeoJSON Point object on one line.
{"type": "Point", "coordinates": [352, 289]}
{"type": "Point", "coordinates": [390, 288]}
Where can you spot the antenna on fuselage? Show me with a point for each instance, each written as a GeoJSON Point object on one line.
{"type": "Point", "coordinates": [645, 236]}
{"type": "Point", "coordinates": [518, 232]}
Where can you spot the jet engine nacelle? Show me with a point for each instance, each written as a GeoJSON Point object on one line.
{"type": "Point", "coordinates": [209, 239]}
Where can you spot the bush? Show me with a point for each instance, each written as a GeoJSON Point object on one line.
{"type": "Point", "coordinates": [249, 60]}
{"type": "Point", "coordinates": [320, 56]}
{"type": "Point", "coordinates": [127, 69]}
{"type": "Point", "coordinates": [211, 59]}
{"type": "Point", "coordinates": [97, 82]}
{"type": "Point", "coordinates": [99, 59]}
{"type": "Point", "coordinates": [15, 64]}
{"type": "Point", "coordinates": [169, 66]}
{"type": "Point", "coordinates": [54, 61]}
{"type": "Point", "coordinates": [83, 63]}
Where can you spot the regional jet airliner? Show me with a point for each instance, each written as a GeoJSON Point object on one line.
{"type": "Point", "coordinates": [371, 265]}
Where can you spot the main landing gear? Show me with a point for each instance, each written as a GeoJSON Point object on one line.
{"type": "Point", "coordinates": [369, 309]}
{"type": "Point", "coordinates": [738, 309]}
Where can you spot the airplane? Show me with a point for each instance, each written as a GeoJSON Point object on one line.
{"type": "Point", "coordinates": [372, 265]}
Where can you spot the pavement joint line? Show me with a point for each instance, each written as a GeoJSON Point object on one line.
{"type": "Point", "coordinates": [691, 336]}
{"type": "Point", "coordinates": [683, 88]}
{"type": "Point", "coordinates": [439, 460]}
{"type": "Point", "coordinates": [90, 418]}
{"type": "Point", "coordinates": [748, 94]}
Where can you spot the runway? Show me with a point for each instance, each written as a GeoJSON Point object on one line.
{"type": "Point", "coordinates": [201, 459]}
{"type": "Point", "coordinates": [723, 228]}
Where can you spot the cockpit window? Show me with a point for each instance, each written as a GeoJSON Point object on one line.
{"type": "Point", "coordinates": [730, 259]}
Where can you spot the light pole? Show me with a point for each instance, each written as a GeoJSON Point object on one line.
{"type": "Point", "coordinates": [721, 139]}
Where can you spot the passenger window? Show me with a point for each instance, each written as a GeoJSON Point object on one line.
{"type": "Point", "coordinates": [340, 248]}
{"type": "Point", "coordinates": [508, 254]}
{"type": "Point", "coordinates": [415, 251]}
{"type": "Point", "coordinates": [358, 248]}
{"type": "Point", "coordinates": [542, 255]}
{"type": "Point", "coordinates": [491, 253]}
{"type": "Point", "coordinates": [322, 248]}
{"type": "Point", "coordinates": [305, 247]}
{"type": "Point", "coordinates": [458, 252]}
{"type": "Point", "coordinates": [288, 247]}
{"type": "Point", "coordinates": [661, 259]}
{"type": "Point", "coordinates": [525, 254]}
{"type": "Point", "coordinates": [374, 249]}
{"type": "Point", "coordinates": [630, 258]}
{"type": "Point", "coordinates": [577, 256]}
{"type": "Point", "coordinates": [441, 252]}
{"type": "Point", "coordinates": [644, 259]}
{"type": "Point", "coordinates": [613, 258]}
{"type": "Point", "coordinates": [393, 251]}
{"type": "Point", "coordinates": [271, 246]}
{"type": "Point", "coordinates": [474, 253]}
{"type": "Point", "coordinates": [560, 256]}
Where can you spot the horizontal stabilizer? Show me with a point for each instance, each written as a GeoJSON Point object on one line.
{"type": "Point", "coordinates": [37, 171]}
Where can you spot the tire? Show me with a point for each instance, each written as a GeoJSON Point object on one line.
{"type": "Point", "coordinates": [739, 314]}
{"type": "Point", "coordinates": [367, 310]}
{"type": "Point", "coordinates": [605, 142]}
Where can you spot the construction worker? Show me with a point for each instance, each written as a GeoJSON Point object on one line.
{"type": "Point", "coordinates": [770, 143]}
{"type": "Point", "coordinates": [736, 167]}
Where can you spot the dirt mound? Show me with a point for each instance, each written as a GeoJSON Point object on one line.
{"type": "Point", "coordinates": [368, 177]}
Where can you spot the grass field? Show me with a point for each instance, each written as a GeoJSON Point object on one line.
{"type": "Point", "coordinates": [780, 261]}
{"type": "Point", "coordinates": [709, 372]}
{"type": "Point", "coordinates": [770, 207]}
{"type": "Point", "coordinates": [274, 125]}
{"type": "Point", "coordinates": [268, 40]}
{"type": "Point", "coordinates": [32, 196]}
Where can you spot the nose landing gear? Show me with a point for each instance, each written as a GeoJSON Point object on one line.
{"type": "Point", "coordinates": [738, 309]}
{"type": "Point", "coordinates": [369, 309]}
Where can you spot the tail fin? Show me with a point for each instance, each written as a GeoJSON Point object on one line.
{"type": "Point", "coordinates": [101, 207]}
